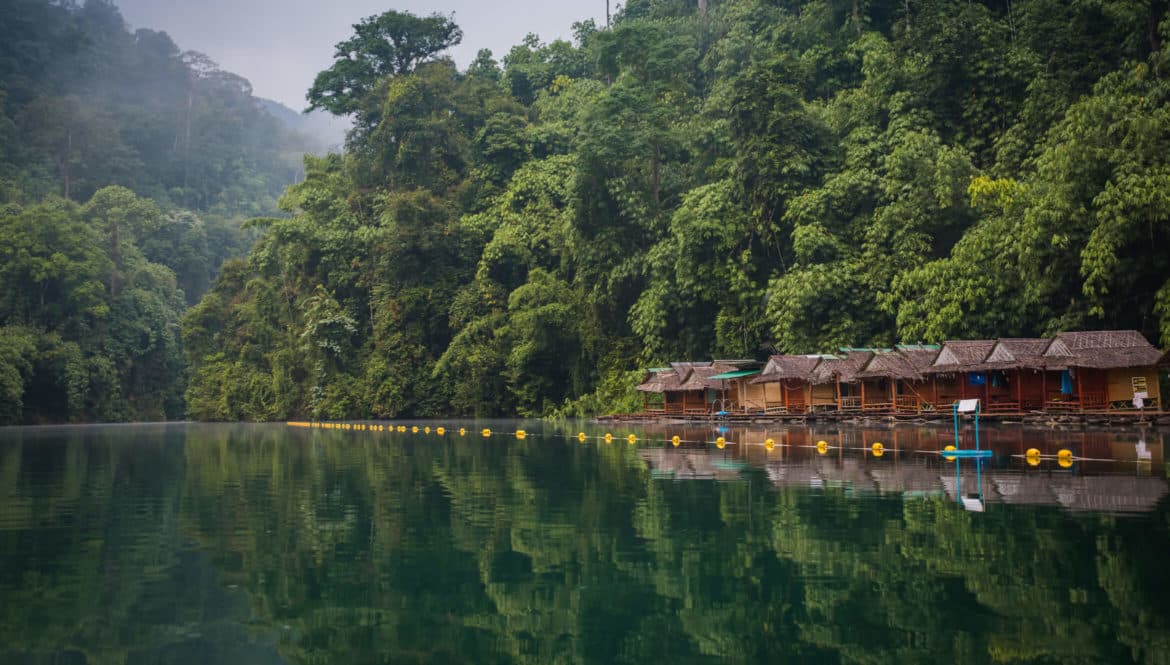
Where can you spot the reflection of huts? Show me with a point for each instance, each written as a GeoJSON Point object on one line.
{"type": "Point", "coordinates": [953, 375]}
{"type": "Point", "coordinates": [1104, 369]}
{"type": "Point", "coordinates": [688, 464]}
{"type": "Point", "coordinates": [785, 385]}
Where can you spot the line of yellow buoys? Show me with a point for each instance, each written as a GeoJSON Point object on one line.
{"type": "Point", "coordinates": [822, 447]}
{"type": "Point", "coordinates": [1064, 458]}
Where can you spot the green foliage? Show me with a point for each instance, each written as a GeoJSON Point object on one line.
{"type": "Point", "coordinates": [85, 103]}
{"type": "Point", "coordinates": [390, 44]}
{"type": "Point", "coordinates": [750, 177]}
{"type": "Point", "coordinates": [92, 325]}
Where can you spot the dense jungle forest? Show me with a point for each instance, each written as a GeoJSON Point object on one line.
{"type": "Point", "coordinates": [717, 178]}
{"type": "Point", "coordinates": [127, 169]}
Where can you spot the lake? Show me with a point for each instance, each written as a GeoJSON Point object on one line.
{"type": "Point", "coordinates": [186, 543]}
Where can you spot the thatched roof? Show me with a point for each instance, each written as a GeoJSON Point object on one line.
{"type": "Point", "coordinates": [1015, 353]}
{"type": "Point", "coordinates": [844, 369]}
{"type": "Point", "coordinates": [697, 379]}
{"type": "Point", "coordinates": [1105, 349]}
{"type": "Point", "coordinates": [889, 365]}
{"type": "Point", "coordinates": [657, 381]}
{"type": "Point", "coordinates": [960, 355]}
{"type": "Point", "coordinates": [920, 356]}
{"type": "Point", "coordinates": [784, 367]}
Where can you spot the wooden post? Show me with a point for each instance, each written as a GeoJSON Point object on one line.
{"type": "Point", "coordinates": [838, 377]}
{"type": "Point", "coordinates": [1080, 393]}
{"type": "Point", "coordinates": [784, 393]}
{"type": "Point", "coordinates": [934, 390]}
{"type": "Point", "coordinates": [1020, 390]}
{"type": "Point", "coordinates": [1044, 389]}
{"type": "Point", "coordinates": [863, 395]}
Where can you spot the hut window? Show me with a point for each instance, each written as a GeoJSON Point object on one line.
{"type": "Point", "coordinates": [1139, 384]}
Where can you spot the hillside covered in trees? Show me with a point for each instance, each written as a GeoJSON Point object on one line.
{"type": "Point", "coordinates": [127, 167]}
{"type": "Point", "coordinates": [718, 178]}
{"type": "Point", "coordinates": [721, 180]}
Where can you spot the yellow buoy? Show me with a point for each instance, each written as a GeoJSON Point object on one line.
{"type": "Point", "coordinates": [520, 434]}
{"type": "Point", "coordinates": [720, 442]}
{"type": "Point", "coordinates": [822, 447]}
{"type": "Point", "coordinates": [462, 431]}
{"type": "Point", "coordinates": [769, 444]}
{"type": "Point", "coordinates": [1064, 458]}
{"type": "Point", "coordinates": [581, 437]}
{"type": "Point", "coordinates": [441, 431]}
{"type": "Point", "coordinates": [674, 440]}
{"type": "Point", "coordinates": [878, 449]}
{"type": "Point", "coordinates": [402, 429]}
{"type": "Point", "coordinates": [608, 437]}
{"type": "Point", "coordinates": [486, 432]}
{"type": "Point", "coordinates": [945, 455]}
{"type": "Point", "coordinates": [1032, 456]}
{"type": "Point", "coordinates": [414, 429]}
{"type": "Point", "coordinates": [632, 439]}
{"type": "Point", "coordinates": [427, 430]}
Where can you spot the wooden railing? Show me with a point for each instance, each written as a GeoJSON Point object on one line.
{"type": "Point", "coordinates": [850, 403]}
{"type": "Point", "coordinates": [907, 403]}
{"type": "Point", "coordinates": [1086, 400]}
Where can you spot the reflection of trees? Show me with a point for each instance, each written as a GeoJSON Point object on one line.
{"type": "Point", "coordinates": [361, 547]}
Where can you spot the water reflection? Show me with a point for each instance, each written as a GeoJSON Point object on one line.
{"type": "Point", "coordinates": [265, 544]}
{"type": "Point", "coordinates": [1113, 472]}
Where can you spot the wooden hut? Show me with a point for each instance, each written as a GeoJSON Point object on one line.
{"type": "Point", "coordinates": [785, 385]}
{"type": "Point", "coordinates": [920, 357]}
{"type": "Point", "coordinates": [1016, 374]}
{"type": "Point", "coordinates": [698, 393]}
{"type": "Point", "coordinates": [837, 376]}
{"type": "Point", "coordinates": [679, 399]}
{"type": "Point", "coordinates": [892, 380]}
{"type": "Point", "coordinates": [721, 382]}
{"type": "Point", "coordinates": [737, 392]}
{"type": "Point", "coordinates": [954, 375]}
{"type": "Point", "coordinates": [653, 389]}
{"type": "Point", "coordinates": [1105, 369]}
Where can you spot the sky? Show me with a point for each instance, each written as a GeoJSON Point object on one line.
{"type": "Point", "coordinates": [280, 45]}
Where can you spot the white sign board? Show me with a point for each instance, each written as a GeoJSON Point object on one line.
{"type": "Point", "coordinates": [968, 405]}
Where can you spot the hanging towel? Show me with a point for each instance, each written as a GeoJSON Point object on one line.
{"type": "Point", "coordinates": [996, 380]}
{"type": "Point", "coordinates": [977, 378]}
{"type": "Point", "coordinates": [1066, 384]}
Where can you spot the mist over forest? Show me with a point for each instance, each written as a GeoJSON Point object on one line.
{"type": "Point", "coordinates": [702, 178]}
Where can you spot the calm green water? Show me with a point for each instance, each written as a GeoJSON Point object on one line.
{"type": "Point", "coordinates": [268, 544]}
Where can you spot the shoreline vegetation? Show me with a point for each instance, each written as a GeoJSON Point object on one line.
{"type": "Point", "coordinates": [731, 179]}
